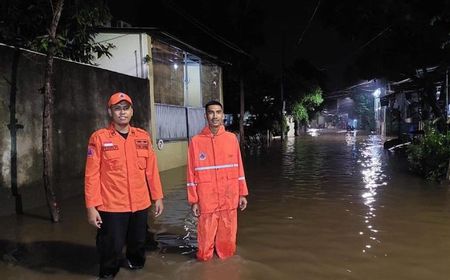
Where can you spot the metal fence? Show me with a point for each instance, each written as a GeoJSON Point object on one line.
{"type": "Point", "coordinates": [196, 120]}
{"type": "Point", "coordinates": [178, 122]}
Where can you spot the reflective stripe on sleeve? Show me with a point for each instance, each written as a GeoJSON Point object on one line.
{"type": "Point", "coordinates": [191, 184]}
{"type": "Point", "coordinates": [241, 178]}
{"type": "Point", "coordinates": [216, 167]}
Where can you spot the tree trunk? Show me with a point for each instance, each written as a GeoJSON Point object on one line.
{"type": "Point", "coordinates": [47, 119]}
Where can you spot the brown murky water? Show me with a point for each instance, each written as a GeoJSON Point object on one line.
{"type": "Point", "coordinates": [325, 207]}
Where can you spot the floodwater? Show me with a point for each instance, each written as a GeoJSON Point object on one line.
{"type": "Point", "coordinates": [329, 206]}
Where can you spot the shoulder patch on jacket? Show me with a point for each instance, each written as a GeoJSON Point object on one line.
{"type": "Point", "coordinates": [91, 150]}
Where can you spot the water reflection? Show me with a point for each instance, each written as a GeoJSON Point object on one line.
{"type": "Point", "coordinates": [373, 179]}
{"type": "Point", "coordinates": [314, 132]}
{"type": "Point", "coordinates": [350, 138]}
{"type": "Point", "coordinates": [229, 269]}
{"type": "Point", "coordinates": [315, 203]}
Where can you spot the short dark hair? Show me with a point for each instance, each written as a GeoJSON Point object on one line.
{"type": "Point", "coordinates": [212, 102]}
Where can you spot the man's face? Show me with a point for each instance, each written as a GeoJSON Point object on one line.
{"type": "Point", "coordinates": [121, 113]}
{"type": "Point", "coordinates": [214, 116]}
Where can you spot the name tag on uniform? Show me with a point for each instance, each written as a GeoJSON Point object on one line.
{"type": "Point", "coordinates": [109, 146]}
{"type": "Point", "coordinates": [141, 144]}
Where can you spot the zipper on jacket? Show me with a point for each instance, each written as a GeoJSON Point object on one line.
{"type": "Point", "coordinates": [128, 177]}
{"type": "Point", "coordinates": [215, 171]}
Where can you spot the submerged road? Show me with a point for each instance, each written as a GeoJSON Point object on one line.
{"type": "Point", "coordinates": [329, 206]}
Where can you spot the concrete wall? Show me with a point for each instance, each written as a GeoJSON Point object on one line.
{"type": "Point", "coordinates": [81, 94]}
{"type": "Point", "coordinates": [128, 56]}
{"type": "Point", "coordinates": [172, 155]}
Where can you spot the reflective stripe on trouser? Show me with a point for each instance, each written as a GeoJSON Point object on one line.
{"type": "Point", "coordinates": [217, 230]}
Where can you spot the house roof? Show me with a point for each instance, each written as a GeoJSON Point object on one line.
{"type": "Point", "coordinates": [410, 84]}
{"type": "Point", "coordinates": [167, 38]}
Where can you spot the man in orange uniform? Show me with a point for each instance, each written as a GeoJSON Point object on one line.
{"type": "Point", "coordinates": [216, 185]}
{"type": "Point", "coordinates": [121, 178]}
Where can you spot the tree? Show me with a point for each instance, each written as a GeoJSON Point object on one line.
{"type": "Point", "coordinates": [69, 35]}
{"type": "Point", "coordinates": [26, 23]}
{"type": "Point", "coordinates": [263, 103]}
{"type": "Point", "coordinates": [47, 116]}
{"type": "Point", "coordinates": [303, 87]}
{"type": "Point", "coordinates": [306, 106]}
{"type": "Point", "coordinates": [363, 109]}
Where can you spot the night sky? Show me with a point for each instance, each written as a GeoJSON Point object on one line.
{"type": "Point", "coordinates": [320, 45]}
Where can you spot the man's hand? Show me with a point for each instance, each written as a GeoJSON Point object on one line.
{"type": "Point", "coordinates": [94, 217]}
{"type": "Point", "coordinates": [159, 207]}
{"type": "Point", "coordinates": [195, 209]}
{"type": "Point", "coordinates": [242, 203]}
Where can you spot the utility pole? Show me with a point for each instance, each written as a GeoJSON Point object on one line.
{"type": "Point", "coordinates": [446, 115]}
{"type": "Point", "coordinates": [446, 98]}
{"type": "Point", "coordinates": [282, 85]}
{"type": "Point", "coordinates": [282, 106]}
{"type": "Point", "coordinates": [13, 127]}
{"type": "Point", "coordinates": [241, 109]}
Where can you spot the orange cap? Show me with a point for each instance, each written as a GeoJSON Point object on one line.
{"type": "Point", "coordinates": [117, 97]}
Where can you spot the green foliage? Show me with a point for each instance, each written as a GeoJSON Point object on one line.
{"type": "Point", "coordinates": [307, 104]}
{"type": "Point", "coordinates": [429, 156]}
{"type": "Point", "coordinates": [363, 108]}
{"type": "Point", "coordinates": [300, 112]}
{"type": "Point", "coordinates": [25, 22]}
{"type": "Point", "coordinates": [314, 98]}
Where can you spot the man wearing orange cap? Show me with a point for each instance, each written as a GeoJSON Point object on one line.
{"type": "Point", "coordinates": [121, 179]}
{"type": "Point", "coordinates": [216, 185]}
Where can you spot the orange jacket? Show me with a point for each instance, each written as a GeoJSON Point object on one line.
{"type": "Point", "coordinates": [215, 175]}
{"type": "Point", "coordinates": [118, 169]}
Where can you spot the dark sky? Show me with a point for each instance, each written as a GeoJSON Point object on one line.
{"type": "Point", "coordinates": [320, 45]}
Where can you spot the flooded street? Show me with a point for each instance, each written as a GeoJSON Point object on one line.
{"type": "Point", "coordinates": [334, 206]}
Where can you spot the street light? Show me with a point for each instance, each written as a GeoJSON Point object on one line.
{"type": "Point", "coordinates": [376, 93]}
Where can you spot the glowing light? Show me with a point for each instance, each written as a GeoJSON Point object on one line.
{"type": "Point", "coordinates": [376, 93]}
{"type": "Point", "coordinates": [313, 132]}
{"type": "Point", "coordinates": [175, 66]}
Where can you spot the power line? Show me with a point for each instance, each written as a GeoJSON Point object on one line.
{"type": "Point", "coordinates": [309, 23]}
{"type": "Point", "coordinates": [113, 38]}
{"type": "Point", "coordinates": [204, 28]}
{"type": "Point", "coordinates": [371, 40]}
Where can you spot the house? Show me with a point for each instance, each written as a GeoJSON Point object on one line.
{"type": "Point", "coordinates": [181, 78]}
{"type": "Point", "coordinates": [168, 80]}
{"type": "Point", "coordinates": [417, 99]}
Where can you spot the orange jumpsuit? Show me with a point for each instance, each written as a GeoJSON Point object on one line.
{"type": "Point", "coordinates": [118, 169]}
{"type": "Point", "coordinates": [215, 181]}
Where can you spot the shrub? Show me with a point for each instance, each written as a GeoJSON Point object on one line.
{"type": "Point", "coordinates": [429, 155]}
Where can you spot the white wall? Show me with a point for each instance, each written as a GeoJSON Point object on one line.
{"type": "Point", "coordinates": [128, 55]}
{"type": "Point", "coordinates": [193, 90]}
{"type": "Point", "coordinates": [290, 126]}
